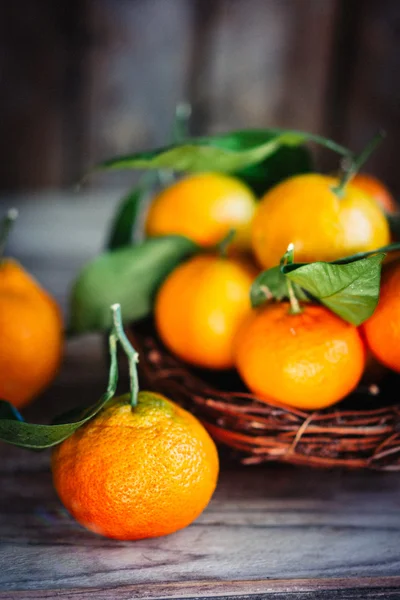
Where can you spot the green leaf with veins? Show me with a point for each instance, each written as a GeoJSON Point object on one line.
{"type": "Point", "coordinates": [350, 290]}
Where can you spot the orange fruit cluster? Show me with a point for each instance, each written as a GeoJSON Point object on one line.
{"type": "Point", "coordinates": [203, 314]}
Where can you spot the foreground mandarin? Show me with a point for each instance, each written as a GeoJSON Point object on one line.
{"type": "Point", "coordinates": [201, 306]}
{"type": "Point", "coordinates": [204, 208]}
{"type": "Point", "coordinates": [306, 210]}
{"type": "Point", "coordinates": [137, 472]}
{"type": "Point", "coordinates": [308, 360]}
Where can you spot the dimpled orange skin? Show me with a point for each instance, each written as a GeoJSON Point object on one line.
{"type": "Point", "coordinates": [31, 335]}
{"type": "Point", "coordinates": [204, 208]}
{"type": "Point", "coordinates": [309, 360]}
{"type": "Point", "coordinates": [131, 474]}
{"type": "Point", "coordinates": [382, 329]}
{"type": "Point", "coordinates": [375, 188]}
{"type": "Point", "coordinates": [304, 210]}
{"type": "Point", "coordinates": [200, 307]}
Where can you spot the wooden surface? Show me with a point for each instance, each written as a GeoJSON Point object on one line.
{"type": "Point", "coordinates": [270, 532]}
{"type": "Point", "coordinates": [86, 79]}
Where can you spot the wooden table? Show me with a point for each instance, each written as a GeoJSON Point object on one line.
{"type": "Point", "coordinates": [269, 532]}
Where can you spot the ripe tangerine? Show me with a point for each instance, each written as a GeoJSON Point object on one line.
{"type": "Point", "coordinates": [308, 360]}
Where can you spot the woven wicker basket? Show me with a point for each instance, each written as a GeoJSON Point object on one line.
{"type": "Point", "coordinates": [257, 431]}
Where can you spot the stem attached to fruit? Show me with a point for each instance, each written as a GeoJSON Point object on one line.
{"type": "Point", "coordinates": [5, 227]}
{"type": "Point", "coordinates": [288, 259]}
{"type": "Point", "coordinates": [226, 242]}
{"type": "Point", "coordinates": [113, 372]}
{"type": "Point", "coordinates": [357, 163]}
{"type": "Point", "coordinates": [133, 356]}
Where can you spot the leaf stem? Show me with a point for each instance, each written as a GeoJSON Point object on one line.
{"type": "Point", "coordinates": [133, 356]}
{"type": "Point", "coordinates": [5, 227]}
{"type": "Point", "coordinates": [357, 163]}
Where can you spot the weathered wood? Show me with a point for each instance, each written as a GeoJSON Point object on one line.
{"type": "Point", "coordinates": [296, 589]}
{"type": "Point", "coordinates": [261, 64]}
{"type": "Point", "coordinates": [86, 80]}
{"type": "Point", "coordinates": [138, 65]}
{"type": "Point", "coordinates": [42, 47]}
{"type": "Point", "coordinates": [369, 84]}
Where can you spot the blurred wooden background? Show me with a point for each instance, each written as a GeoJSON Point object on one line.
{"type": "Point", "coordinates": [85, 79]}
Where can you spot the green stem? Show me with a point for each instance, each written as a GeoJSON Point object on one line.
{"type": "Point", "coordinates": [357, 163]}
{"type": "Point", "coordinates": [180, 130]}
{"type": "Point", "coordinates": [113, 372]}
{"type": "Point", "coordinates": [5, 228]}
{"type": "Point", "coordinates": [295, 307]}
{"type": "Point", "coordinates": [224, 244]}
{"type": "Point", "coordinates": [133, 356]}
{"type": "Point", "coordinates": [288, 259]}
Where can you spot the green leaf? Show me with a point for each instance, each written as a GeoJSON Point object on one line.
{"type": "Point", "coordinates": [349, 290]}
{"type": "Point", "coordinates": [14, 430]}
{"type": "Point", "coordinates": [123, 225]}
{"type": "Point", "coordinates": [286, 162]}
{"type": "Point", "coordinates": [228, 153]}
{"type": "Point", "coordinates": [34, 436]}
{"type": "Point", "coordinates": [128, 276]}
{"type": "Point", "coordinates": [271, 285]}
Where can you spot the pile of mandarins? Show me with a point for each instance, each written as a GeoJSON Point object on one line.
{"type": "Point", "coordinates": [309, 358]}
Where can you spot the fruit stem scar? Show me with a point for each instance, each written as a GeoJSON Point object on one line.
{"type": "Point", "coordinates": [5, 227]}
{"type": "Point", "coordinates": [356, 163]}
{"type": "Point", "coordinates": [133, 357]}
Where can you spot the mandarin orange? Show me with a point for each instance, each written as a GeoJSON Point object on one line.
{"type": "Point", "coordinates": [375, 188]}
{"type": "Point", "coordinates": [382, 329]}
{"type": "Point", "coordinates": [31, 335]}
{"type": "Point", "coordinates": [306, 211]}
{"type": "Point", "coordinates": [308, 360]}
{"type": "Point", "coordinates": [200, 307]}
{"type": "Point", "coordinates": [140, 472]}
{"type": "Point", "coordinates": [204, 208]}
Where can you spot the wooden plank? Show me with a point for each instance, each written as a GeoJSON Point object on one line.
{"type": "Point", "coordinates": [371, 85]}
{"type": "Point", "coordinates": [40, 48]}
{"type": "Point", "coordinates": [299, 589]}
{"type": "Point", "coordinates": [138, 66]}
{"type": "Point", "coordinates": [267, 64]}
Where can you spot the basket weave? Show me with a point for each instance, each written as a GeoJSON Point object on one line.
{"type": "Point", "coordinates": [260, 432]}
